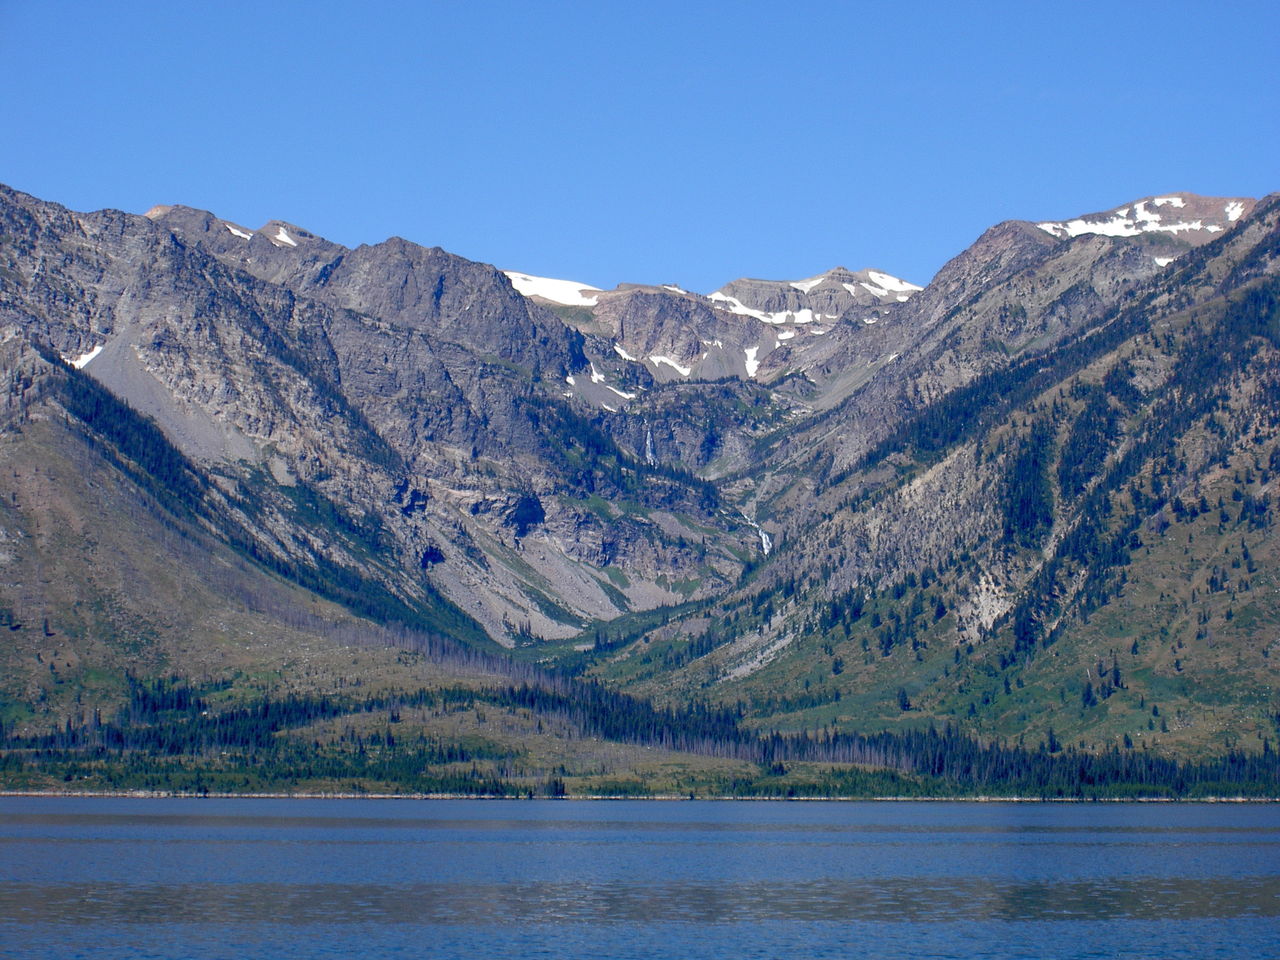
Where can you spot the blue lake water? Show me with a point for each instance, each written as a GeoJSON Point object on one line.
{"type": "Point", "coordinates": [105, 878]}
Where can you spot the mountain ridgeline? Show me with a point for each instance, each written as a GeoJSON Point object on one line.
{"type": "Point", "coordinates": [280, 514]}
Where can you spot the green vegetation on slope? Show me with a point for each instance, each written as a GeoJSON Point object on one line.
{"type": "Point", "coordinates": [171, 737]}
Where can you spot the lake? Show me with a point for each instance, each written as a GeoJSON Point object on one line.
{"type": "Point", "coordinates": [264, 878]}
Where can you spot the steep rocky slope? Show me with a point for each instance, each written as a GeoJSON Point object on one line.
{"type": "Point", "coordinates": [416, 389]}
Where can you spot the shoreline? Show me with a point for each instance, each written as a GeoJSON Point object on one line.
{"type": "Point", "coordinates": [603, 798]}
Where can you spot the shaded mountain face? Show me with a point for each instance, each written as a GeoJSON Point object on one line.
{"type": "Point", "coordinates": [805, 496]}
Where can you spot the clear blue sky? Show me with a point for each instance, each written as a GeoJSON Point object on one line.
{"type": "Point", "coordinates": [649, 142]}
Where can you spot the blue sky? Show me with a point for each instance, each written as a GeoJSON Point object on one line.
{"type": "Point", "coordinates": [657, 142]}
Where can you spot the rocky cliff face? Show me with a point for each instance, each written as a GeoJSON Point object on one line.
{"type": "Point", "coordinates": [406, 384]}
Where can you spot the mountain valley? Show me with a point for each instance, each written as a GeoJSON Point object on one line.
{"type": "Point", "coordinates": [641, 540]}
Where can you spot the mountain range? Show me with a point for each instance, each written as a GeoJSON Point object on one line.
{"type": "Point", "coordinates": [1030, 500]}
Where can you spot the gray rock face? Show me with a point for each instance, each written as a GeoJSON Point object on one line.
{"type": "Point", "coordinates": [404, 383]}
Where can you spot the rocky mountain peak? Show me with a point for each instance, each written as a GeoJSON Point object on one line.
{"type": "Point", "coordinates": [1186, 216]}
{"type": "Point", "coordinates": [825, 296]}
{"type": "Point", "coordinates": [281, 234]}
{"type": "Point", "coordinates": [194, 224]}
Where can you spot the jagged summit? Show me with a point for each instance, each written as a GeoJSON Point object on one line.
{"type": "Point", "coordinates": [676, 334]}
{"type": "Point", "coordinates": [192, 221]}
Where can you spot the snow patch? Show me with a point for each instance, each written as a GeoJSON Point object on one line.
{"type": "Point", "coordinates": [84, 359]}
{"type": "Point", "coordinates": [570, 381]}
{"type": "Point", "coordinates": [782, 316]}
{"type": "Point", "coordinates": [1140, 212]}
{"type": "Point", "coordinates": [804, 286]}
{"type": "Point", "coordinates": [1116, 227]}
{"type": "Point", "coordinates": [884, 285]}
{"type": "Point", "coordinates": [1124, 224]}
{"type": "Point", "coordinates": [1234, 210]}
{"type": "Point", "coordinates": [892, 283]}
{"type": "Point", "coordinates": [673, 288]}
{"type": "Point", "coordinates": [1164, 261]}
{"type": "Point", "coordinates": [609, 408]}
{"type": "Point", "coordinates": [786, 334]}
{"type": "Point", "coordinates": [869, 319]}
{"type": "Point", "coordinates": [683, 371]}
{"type": "Point", "coordinates": [737, 306]}
{"type": "Point", "coordinates": [568, 293]}
{"type": "Point", "coordinates": [238, 232]}
{"type": "Point", "coordinates": [282, 235]}
{"type": "Point", "coordinates": [598, 377]}
{"type": "Point", "coordinates": [752, 363]}
{"type": "Point", "coordinates": [617, 348]}
{"type": "Point", "coordinates": [733, 303]}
